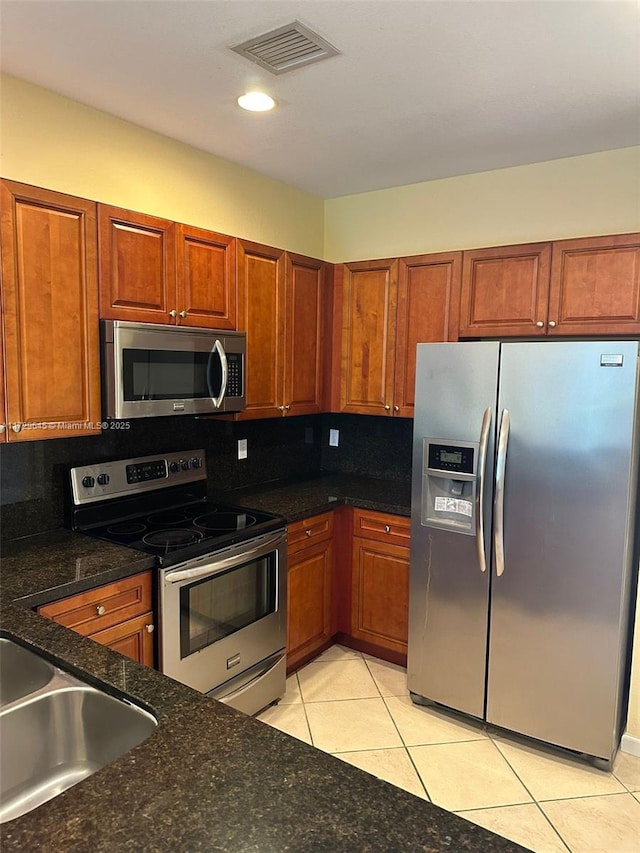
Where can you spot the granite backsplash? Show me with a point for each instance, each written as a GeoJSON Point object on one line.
{"type": "Point", "coordinates": [33, 475]}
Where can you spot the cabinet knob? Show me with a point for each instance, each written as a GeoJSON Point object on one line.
{"type": "Point", "coordinates": [150, 628]}
{"type": "Point", "coordinates": [2, 429]}
{"type": "Point", "coordinates": [307, 532]}
{"type": "Point", "coordinates": [387, 529]}
{"type": "Point", "coordinates": [287, 408]}
{"type": "Point", "coordinates": [183, 313]}
{"type": "Point", "coordinates": [539, 324]}
{"type": "Point", "coordinates": [552, 324]}
{"type": "Point", "coordinates": [387, 408]}
{"type": "Point", "coordinates": [173, 313]}
{"type": "Point", "coordinates": [281, 408]}
{"type": "Point", "coordinates": [101, 609]}
{"type": "Point", "coordinates": [396, 408]}
{"type": "Point", "coordinates": [16, 427]}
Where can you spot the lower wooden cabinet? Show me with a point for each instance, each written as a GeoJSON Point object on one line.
{"type": "Point", "coordinates": [309, 588]}
{"type": "Point", "coordinates": [118, 615]}
{"type": "Point", "coordinates": [380, 580]}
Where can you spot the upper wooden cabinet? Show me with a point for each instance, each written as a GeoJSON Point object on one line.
{"type": "Point", "coordinates": [505, 291]}
{"type": "Point", "coordinates": [156, 271]}
{"type": "Point", "coordinates": [588, 286]}
{"type": "Point", "coordinates": [386, 308]}
{"type": "Point", "coordinates": [595, 286]}
{"type": "Point", "coordinates": [50, 306]}
{"type": "Point", "coordinates": [280, 308]}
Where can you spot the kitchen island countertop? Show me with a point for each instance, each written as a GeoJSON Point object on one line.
{"type": "Point", "coordinates": [209, 778]}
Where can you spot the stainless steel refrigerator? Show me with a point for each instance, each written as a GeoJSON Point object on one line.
{"type": "Point", "coordinates": [524, 513]}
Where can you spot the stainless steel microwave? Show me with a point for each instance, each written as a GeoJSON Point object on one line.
{"type": "Point", "coordinates": [150, 370]}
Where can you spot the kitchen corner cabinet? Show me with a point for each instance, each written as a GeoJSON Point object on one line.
{"type": "Point", "coordinates": [380, 580]}
{"type": "Point", "coordinates": [387, 307]}
{"type": "Point", "coordinates": [309, 588]}
{"type": "Point", "coordinates": [157, 271]}
{"type": "Point", "coordinates": [118, 615]}
{"type": "Point", "coordinates": [50, 314]}
{"type": "Point", "coordinates": [280, 308]}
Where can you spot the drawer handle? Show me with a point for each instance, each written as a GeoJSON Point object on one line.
{"type": "Point", "coordinates": [150, 628]}
{"type": "Point", "coordinates": [101, 609]}
{"type": "Point", "coordinates": [387, 529]}
{"type": "Point", "coordinates": [307, 532]}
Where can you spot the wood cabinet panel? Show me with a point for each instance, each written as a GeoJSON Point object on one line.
{"type": "Point", "coordinates": [206, 291]}
{"type": "Point", "coordinates": [132, 638]}
{"type": "Point", "coordinates": [137, 266]}
{"type": "Point", "coordinates": [303, 367]}
{"type": "Point", "coordinates": [368, 336]}
{"type": "Point", "coordinates": [428, 310]}
{"type": "Point", "coordinates": [50, 304]}
{"type": "Point", "coordinates": [505, 291]}
{"type": "Point", "coordinates": [595, 286]}
{"type": "Point", "coordinates": [309, 622]}
{"type": "Point", "coordinates": [381, 526]}
{"type": "Point", "coordinates": [309, 531]}
{"type": "Point", "coordinates": [98, 609]}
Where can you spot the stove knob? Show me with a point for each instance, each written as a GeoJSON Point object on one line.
{"type": "Point", "coordinates": [196, 463]}
{"type": "Point", "coordinates": [88, 482]}
{"type": "Point", "coordinates": [185, 464]}
{"type": "Point", "coordinates": [174, 466]}
{"type": "Point", "coordinates": [103, 479]}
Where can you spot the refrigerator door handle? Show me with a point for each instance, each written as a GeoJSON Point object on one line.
{"type": "Point", "coordinates": [498, 510]}
{"type": "Point", "coordinates": [482, 463]}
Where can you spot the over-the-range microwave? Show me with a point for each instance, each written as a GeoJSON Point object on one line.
{"type": "Point", "coordinates": [151, 370]}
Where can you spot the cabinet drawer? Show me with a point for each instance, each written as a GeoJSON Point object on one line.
{"type": "Point", "coordinates": [383, 527]}
{"type": "Point", "coordinates": [314, 529]}
{"type": "Point", "coordinates": [103, 607]}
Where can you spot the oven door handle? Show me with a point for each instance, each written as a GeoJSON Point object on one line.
{"type": "Point", "coordinates": [214, 565]}
{"type": "Point", "coordinates": [217, 347]}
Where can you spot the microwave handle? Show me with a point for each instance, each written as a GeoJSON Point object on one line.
{"type": "Point", "coordinates": [217, 347]}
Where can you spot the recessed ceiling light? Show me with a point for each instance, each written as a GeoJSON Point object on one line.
{"type": "Point", "coordinates": [257, 102]}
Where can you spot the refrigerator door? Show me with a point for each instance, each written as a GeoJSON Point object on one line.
{"type": "Point", "coordinates": [456, 391]}
{"type": "Point", "coordinates": [559, 596]}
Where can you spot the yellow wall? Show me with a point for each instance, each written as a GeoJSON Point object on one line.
{"type": "Point", "coordinates": [53, 142]}
{"type": "Point", "coordinates": [577, 196]}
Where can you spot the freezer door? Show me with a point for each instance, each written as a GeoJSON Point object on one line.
{"type": "Point", "coordinates": [559, 596]}
{"type": "Point", "coordinates": [456, 390]}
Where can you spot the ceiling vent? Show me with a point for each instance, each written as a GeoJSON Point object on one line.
{"type": "Point", "coordinates": [286, 48]}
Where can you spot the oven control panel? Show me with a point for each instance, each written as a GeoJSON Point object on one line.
{"type": "Point", "coordinates": [132, 476]}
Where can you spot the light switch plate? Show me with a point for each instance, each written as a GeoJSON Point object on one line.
{"type": "Point", "coordinates": [242, 448]}
{"type": "Point", "coordinates": [334, 437]}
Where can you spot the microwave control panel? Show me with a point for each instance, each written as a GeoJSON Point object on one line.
{"type": "Point", "coordinates": [234, 375]}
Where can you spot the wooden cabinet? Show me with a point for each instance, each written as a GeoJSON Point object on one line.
{"type": "Point", "coordinates": [280, 308]}
{"type": "Point", "coordinates": [595, 286]}
{"type": "Point", "coordinates": [380, 580]}
{"type": "Point", "coordinates": [588, 286]}
{"type": "Point", "coordinates": [50, 314]}
{"type": "Point", "coordinates": [505, 291]}
{"type": "Point", "coordinates": [118, 615]}
{"type": "Point", "coordinates": [309, 588]}
{"type": "Point", "coordinates": [386, 308]}
{"type": "Point", "coordinates": [157, 271]}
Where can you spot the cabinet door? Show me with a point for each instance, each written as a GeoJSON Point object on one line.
{"type": "Point", "coordinates": [428, 309]}
{"type": "Point", "coordinates": [3, 411]}
{"type": "Point", "coordinates": [50, 302]}
{"type": "Point", "coordinates": [206, 278]}
{"type": "Point", "coordinates": [595, 286]}
{"type": "Point", "coordinates": [368, 336]}
{"type": "Point", "coordinates": [380, 594]}
{"type": "Point", "coordinates": [132, 638]}
{"type": "Point", "coordinates": [505, 291]}
{"type": "Point", "coordinates": [137, 266]}
{"type": "Point", "coordinates": [304, 285]}
{"type": "Point", "coordinates": [309, 601]}
{"type": "Point", "coordinates": [261, 315]}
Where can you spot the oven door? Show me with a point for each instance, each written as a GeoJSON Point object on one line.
{"type": "Point", "coordinates": [223, 620]}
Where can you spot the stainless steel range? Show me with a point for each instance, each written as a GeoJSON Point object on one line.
{"type": "Point", "coordinates": [222, 571]}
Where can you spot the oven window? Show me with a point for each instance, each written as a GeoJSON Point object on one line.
{"type": "Point", "coordinates": [164, 375]}
{"type": "Point", "coordinates": [215, 607]}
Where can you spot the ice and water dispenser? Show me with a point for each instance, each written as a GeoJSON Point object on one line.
{"type": "Point", "coordinates": [449, 483]}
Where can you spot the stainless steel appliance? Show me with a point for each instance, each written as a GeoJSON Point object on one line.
{"type": "Point", "coordinates": [150, 370]}
{"type": "Point", "coordinates": [222, 571]}
{"type": "Point", "coordinates": [524, 513]}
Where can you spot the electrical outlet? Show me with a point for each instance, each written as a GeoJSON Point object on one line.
{"type": "Point", "coordinates": [334, 437]}
{"type": "Point", "coordinates": [242, 448]}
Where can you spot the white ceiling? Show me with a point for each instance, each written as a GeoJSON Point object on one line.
{"type": "Point", "coordinates": [422, 89]}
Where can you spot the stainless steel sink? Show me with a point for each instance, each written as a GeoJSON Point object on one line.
{"type": "Point", "coordinates": [57, 734]}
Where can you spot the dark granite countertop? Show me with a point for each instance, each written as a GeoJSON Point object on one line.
{"type": "Point", "coordinates": [209, 778]}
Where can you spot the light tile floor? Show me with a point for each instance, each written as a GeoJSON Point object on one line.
{"type": "Point", "coordinates": [358, 708]}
